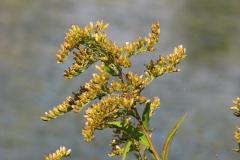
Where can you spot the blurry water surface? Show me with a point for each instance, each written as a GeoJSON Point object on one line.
{"type": "Point", "coordinates": [31, 81]}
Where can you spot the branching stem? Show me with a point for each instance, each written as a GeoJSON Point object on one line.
{"type": "Point", "coordinates": [146, 133]}
{"type": "Point", "coordinates": [151, 145]}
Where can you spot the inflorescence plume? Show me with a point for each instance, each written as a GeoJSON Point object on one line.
{"type": "Point", "coordinates": [118, 92]}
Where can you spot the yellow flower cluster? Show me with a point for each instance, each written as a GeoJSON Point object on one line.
{"type": "Point", "coordinates": [71, 41]}
{"type": "Point", "coordinates": [58, 154]}
{"type": "Point", "coordinates": [154, 105]}
{"type": "Point", "coordinates": [236, 107]}
{"type": "Point", "coordinates": [131, 88]}
{"type": "Point", "coordinates": [237, 138]}
{"type": "Point", "coordinates": [133, 82]}
{"type": "Point", "coordinates": [83, 59]}
{"type": "Point", "coordinates": [59, 110]}
{"type": "Point", "coordinates": [118, 92]}
{"type": "Point", "coordinates": [166, 64]}
{"type": "Point", "coordinates": [86, 94]}
{"type": "Point", "coordinates": [136, 81]}
{"type": "Point", "coordinates": [144, 44]}
{"type": "Point", "coordinates": [92, 89]}
{"type": "Point", "coordinates": [90, 44]}
{"type": "Point", "coordinates": [116, 150]}
{"type": "Point", "coordinates": [76, 36]}
{"type": "Point", "coordinates": [237, 135]}
{"type": "Point", "coordinates": [99, 114]}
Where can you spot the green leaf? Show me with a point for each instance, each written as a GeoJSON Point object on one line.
{"type": "Point", "coordinates": [171, 134]}
{"type": "Point", "coordinates": [116, 124]}
{"type": "Point", "coordinates": [133, 132]}
{"type": "Point", "coordinates": [109, 70]}
{"type": "Point", "coordinates": [126, 149]}
{"type": "Point", "coordinates": [146, 115]}
{"type": "Point", "coordinates": [143, 140]}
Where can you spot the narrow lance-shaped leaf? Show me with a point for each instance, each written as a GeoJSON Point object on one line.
{"type": "Point", "coordinates": [109, 70]}
{"type": "Point", "coordinates": [172, 132]}
{"type": "Point", "coordinates": [146, 115]}
{"type": "Point", "coordinates": [126, 150]}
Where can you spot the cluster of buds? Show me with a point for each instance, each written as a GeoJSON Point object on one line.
{"type": "Point", "coordinates": [237, 137]}
{"type": "Point", "coordinates": [133, 82]}
{"type": "Point", "coordinates": [83, 59]}
{"type": "Point", "coordinates": [166, 64]}
{"type": "Point", "coordinates": [77, 36]}
{"type": "Point", "coordinates": [91, 44]}
{"type": "Point", "coordinates": [58, 154]}
{"type": "Point", "coordinates": [59, 109]}
{"type": "Point", "coordinates": [117, 93]}
{"type": "Point", "coordinates": [86, 94]}
{"type": "Point", "coordinates": [236, 109]}
{"type": "Point", "coordinates": [154, 105]}
{"type": "Point", "coordinates": [144, 44]}
{"type": "Point", "coordinates": [99, 114]}
{"type": "Point", "coordinates": [93, 89]}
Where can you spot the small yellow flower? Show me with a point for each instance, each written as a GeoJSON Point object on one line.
{"type": "Point", "coordinates": [106, 110]}
{"type": "Point", "coordinates": [135, 80]}
{"type": "Point", "coordinates": [154, 105]}
{"type": "Point", "coordinates": [237, 138]}
{"type": "Point", "coordinates": [59, 110]}
{"type": "Point", "coordinates": [71, 41]}
{"type": "Point", "coordinates": [237, 135]}
{"type": "Point", "coordinates": [144, 44]}
{"type": "Point", "coordinates": [58, 154]}
{"type": "Point", "coordinates": [116, 150]}
{"type": "Point", "coordinates": [99, 114]}
{"type": "Point", "coordinates": [236, 107]}
{"type": "Point", "coordinates": [124, 61]}
{"type": "Point", "coordinates": [118, 86]}
{"type": "Point", "coordinates": [153, 37]}
{"type": "Point", "coordinates": [166, 64]}
{"type": "Point", "coordinates": [83, 59]}
{"type": "Point", "coordinates": [92, 89]}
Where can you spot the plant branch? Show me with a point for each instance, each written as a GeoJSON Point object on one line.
{"type": "Point", "coordinates": [146, 133]}
{"type": "Point", "coordinates": [151, 145]}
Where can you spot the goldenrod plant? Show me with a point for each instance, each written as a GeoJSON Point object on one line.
{"type": "Point", "coordinates": [117, 92]}
{"type": "Point", "coordinates": [236, 109]}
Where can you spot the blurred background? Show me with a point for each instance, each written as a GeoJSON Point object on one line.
{"type": "Point", "coordinates": [31, 82]}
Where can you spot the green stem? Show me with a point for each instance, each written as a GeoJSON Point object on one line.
{"type": "Point", "coordinates": [146, 133]}
{"type": "Point", "coordinates": [151, 145]}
